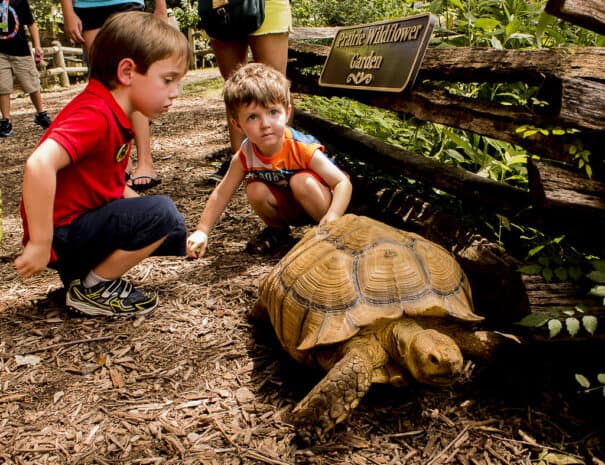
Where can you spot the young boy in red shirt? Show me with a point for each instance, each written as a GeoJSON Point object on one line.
{"type": "Point", "coordinates": [289, 179]}
{"type": "Point", "coordinates": [79, 217]}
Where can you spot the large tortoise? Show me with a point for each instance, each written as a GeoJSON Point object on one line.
{"type": "Point", "coordinates": [370, 304]}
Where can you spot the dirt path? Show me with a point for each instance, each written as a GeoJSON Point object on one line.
{"type": "Point", "coordinates": [196, 382]}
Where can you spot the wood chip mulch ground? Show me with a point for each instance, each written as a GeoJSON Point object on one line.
{"type": "Point", "coordinates": [197, 382]}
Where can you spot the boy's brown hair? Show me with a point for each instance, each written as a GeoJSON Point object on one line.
{"type": "Point", "coordinates": [137, 35]}
{"type": "Point", "coordinates": [255, 83]}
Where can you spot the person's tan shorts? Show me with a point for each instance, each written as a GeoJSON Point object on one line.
{"type": "Point", "coordinates": [24, 71]}
{"type": "Point", "coordinates": [278, 18]}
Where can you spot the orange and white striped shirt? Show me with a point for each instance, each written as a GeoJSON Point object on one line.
{"type": "Point", "coordinates": [295, 155]}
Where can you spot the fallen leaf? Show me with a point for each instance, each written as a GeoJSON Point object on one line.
{"type": "Point", "coordinates": [116, 378]}
{"type": "Point", "coordinates": [29, 360]}
{"type": "Point", "coordinates": [244, 395]}
{"type": "Point", "coordinates": [553, 458]}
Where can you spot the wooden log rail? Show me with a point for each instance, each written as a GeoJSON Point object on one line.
{"type": "Point", "coordinates": [60, 56]}
{"type": "Point", "coordinates": [572, 80]}
{"type": "Point", "coordinates": [586, 13]}
{"type": "Point", "coordinates": [456, 181]}
{"type": "Point", "coordinates": [200, 49]}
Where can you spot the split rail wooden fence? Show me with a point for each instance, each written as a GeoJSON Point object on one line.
{"type": "Point", "coordinates": [62, 62]}
{"type": "Point", "coordinates": [67, 63]}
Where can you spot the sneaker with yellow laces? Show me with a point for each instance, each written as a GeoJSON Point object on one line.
{"type": "Point", "coordinates": [110, 298]}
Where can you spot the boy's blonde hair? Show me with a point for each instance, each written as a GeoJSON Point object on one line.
{"type": "Point", "coordinates": [255, 83]}
{"type": "Point", "coordinates": [137, 35]}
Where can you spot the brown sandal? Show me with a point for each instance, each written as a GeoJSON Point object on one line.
{"type": "Point", "coordinates": [270, 240]}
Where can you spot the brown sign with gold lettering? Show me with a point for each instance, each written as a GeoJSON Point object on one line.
{"type": "Point", "coordinates": [383, 56]}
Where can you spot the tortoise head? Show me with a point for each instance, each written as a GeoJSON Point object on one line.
{"type": "Point", "coordinates": [431, 357]}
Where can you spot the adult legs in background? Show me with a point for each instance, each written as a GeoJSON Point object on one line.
{"type": "Point", "coordinates": [24, 71]}
{"type": "Point", "coordinates": [229, 55]}
{"type": "Point", "coordinates": [140, 124]}
{"type": "Point", "coordinates": [36, 98]}
{"type": "Point", "coordinates": [6, 128]}
{"type": "Point", "coordinates": [271, 49]}
{"type": "Point", "coordinates": [144, 173]}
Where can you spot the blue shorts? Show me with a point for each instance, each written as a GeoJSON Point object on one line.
{"type": "Point", "coordinates": [126, 224]}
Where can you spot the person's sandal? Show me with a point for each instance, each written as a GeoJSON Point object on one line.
{"type": "Point", "coordinates": [269, 240]}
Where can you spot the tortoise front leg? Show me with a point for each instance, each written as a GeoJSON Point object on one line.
{"type": "Point", "coordinates": [334, 397]}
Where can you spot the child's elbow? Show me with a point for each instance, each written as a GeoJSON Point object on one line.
{"type": "Point", "coordinates": [35, 164]}
{"type": "Point", "coordinates": [345, 185]}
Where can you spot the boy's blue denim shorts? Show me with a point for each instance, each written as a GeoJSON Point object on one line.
{"type": "Point", "coordinates": [126, 224]}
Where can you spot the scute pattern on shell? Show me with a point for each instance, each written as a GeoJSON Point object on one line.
{"type": "Point", "coordinates": [353, 272]}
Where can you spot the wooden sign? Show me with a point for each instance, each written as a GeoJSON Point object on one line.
{"type": "Point", "coordinates": [383, 56]}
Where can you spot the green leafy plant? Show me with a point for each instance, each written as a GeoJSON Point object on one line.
{"type": "Point", "coordinates": [587, 385]}
{"type": "Point", "coordinates": [582, 157]}
{"type": "Point", "coordinates": [568, 320]}
{"type": "Point", "coordinates": [482, 155]}
{"type": "Point", "coordinates": [563, 320]}
{"type": "Point", "coordinates": [48, 16]}
{"type": "Point", "coordinates": [576, 149]}
{"type": "Point", "coordinates": [597, 276]}
{"type": "Point", "coordinates": [347, 12]}
{"type": "Point", "coordinates": [550, 257]}
{"type": "Point", "coordinates": [504, 24]}
{"type": "Point", "coordinates": [186, 14]}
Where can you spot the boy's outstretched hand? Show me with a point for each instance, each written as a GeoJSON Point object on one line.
{"type": "Point", "coordinates": [33, 260]}
{"type": "Point", "coordinates": [196, 244]}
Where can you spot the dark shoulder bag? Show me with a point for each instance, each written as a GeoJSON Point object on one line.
{"type": "Point", "coordinates": [233, 19]}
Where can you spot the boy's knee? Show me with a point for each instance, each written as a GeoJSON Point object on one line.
{"type": "Point", "coordinates": [162, 207]}
{"type": "Point", "coordinates": [260, 196]}
{"type": "Point", "coordinates": [173, 224]}
{"type": "Point", "coordinates": [256, 190]}
{"type": "Point", "coordinates": [162, 218]}
{"type": "Point", "coordinates": [305, 185]}
{"type": "Point", "coordinates": [168, 222]}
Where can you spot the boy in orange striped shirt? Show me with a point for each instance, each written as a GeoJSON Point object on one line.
{"type": "Point", "coordinates": [289, 179]}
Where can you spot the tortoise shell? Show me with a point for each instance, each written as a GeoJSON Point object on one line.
{"type": "Point", "coordinates": [356, 271]}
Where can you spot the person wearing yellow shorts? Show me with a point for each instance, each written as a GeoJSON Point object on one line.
{"type": "Point", "coordinates": [268, 44]}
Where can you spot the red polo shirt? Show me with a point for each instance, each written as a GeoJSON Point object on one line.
{"type": "Point", "coordinates": [96, 133]}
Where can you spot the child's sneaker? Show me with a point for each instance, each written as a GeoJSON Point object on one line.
{"type": "Point", "coordinates": [220, 173]}
{"type": "Point", "coordinates": [42, 119]}
{"type": "Point", "coordinates": [110, 298]}
{"type": "Point", "coordinates": [6, 128]}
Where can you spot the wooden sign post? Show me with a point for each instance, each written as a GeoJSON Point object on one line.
{"type": "Point", "coordinates": [383, 56]}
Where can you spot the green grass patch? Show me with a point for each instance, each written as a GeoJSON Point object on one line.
{"type": "Point", "coordinates": [207, 88]}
